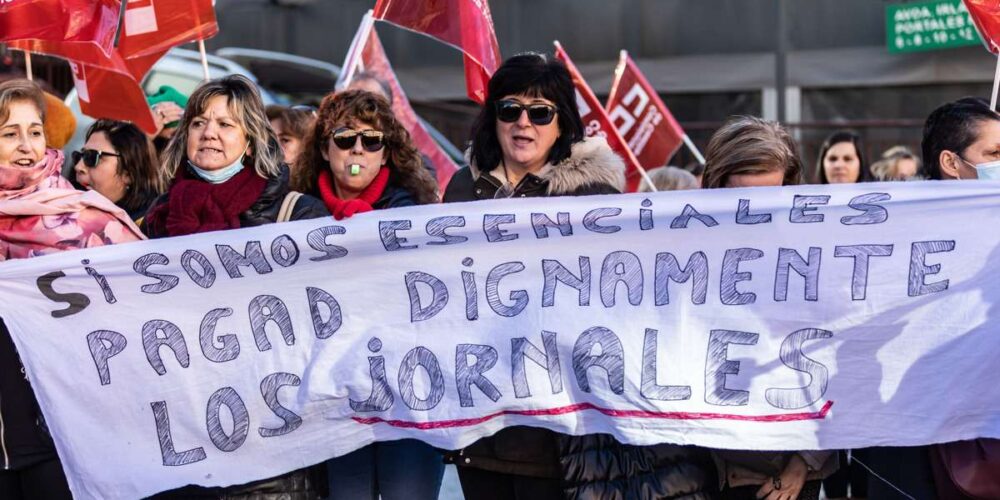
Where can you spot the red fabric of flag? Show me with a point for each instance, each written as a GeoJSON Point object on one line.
{"type": "Point", "coordinates": [640, 116]}
{"type": "Point", "coordinates": [374, 60]}
{"type": "Point", "coordinates": [465, 24]}
{"type": "Point", "coordinates": [110, 94]}
{"type": "Point", "coordinates": [84, 29]}
{"type": "Point", "coordinates": [152, 26]}
{"type": "Point", "coordinates": [986, 16]}
{"type": "Point", "coordinates": [597, 123]}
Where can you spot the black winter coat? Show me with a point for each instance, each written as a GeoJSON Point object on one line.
{"type": "Point", "coordinates": [265, 209]}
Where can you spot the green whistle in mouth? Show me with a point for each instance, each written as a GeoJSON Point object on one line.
{"type": "Point", "coordinates": [355, 169]}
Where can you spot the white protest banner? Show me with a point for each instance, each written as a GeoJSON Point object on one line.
{"type": "Point", "coordinates": [808, 317]}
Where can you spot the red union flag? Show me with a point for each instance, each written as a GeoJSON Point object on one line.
{"type": "Point", "coordinates": [109, 94]}
{"type": "Point", "coordinates": [82, 28]}
{"type": "Point", "coordinates": [152, 26]}
{"type": "Point", "coordinates": [366, 54]}
{"type": "Point", "coordinates": [597, 122]}
{"type": "Point", "coordinates": [465, 24]}
{"type": "Point", "coordinates": [986, 16]}
{"type": "Point", "coordinates": [642, 119]}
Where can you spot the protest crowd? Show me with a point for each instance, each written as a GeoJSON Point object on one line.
{"type": "Point", "coordinates": [219, 159]}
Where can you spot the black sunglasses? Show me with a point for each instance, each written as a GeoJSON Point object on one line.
{"type": "Point", "coordinates": [346, 138]}
{"type": "Point", "coordinates": [90, 156]}
{"type": "Point", "coordinates": [539, 114]}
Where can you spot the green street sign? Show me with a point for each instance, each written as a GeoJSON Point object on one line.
{"type": "Point", "coordinates": [932, 25]}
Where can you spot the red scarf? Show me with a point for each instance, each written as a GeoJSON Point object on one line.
{"type": "Point", "coordinates": [341, 209]}
{"type": "Point", "coordinates": [195, 206]}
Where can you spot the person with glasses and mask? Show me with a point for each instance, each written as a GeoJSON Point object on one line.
{"type": "Point", "coordinates": [962, 141]}
{"type": "Point", "coordinates": [40, 213]}
{"type": "Point", "coordinates": [118, 161]}
{"type": "Point", "coordinates": [359, 158]}
{"type": "Point", "coordinates": [528, 142]}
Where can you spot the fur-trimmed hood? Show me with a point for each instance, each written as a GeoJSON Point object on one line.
{"type": "Point", "coordinates": [591, 162]}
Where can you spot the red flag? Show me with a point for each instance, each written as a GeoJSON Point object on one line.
{"type": "Point", "coordinates": [465, 24]}
{"type": "Point", "coordinates": [111, 81]}
{"type": "Point", "coordinates": [152, 26]}
{"type": "Point", "coordinates": [597, 122]}
{"type": "Point", "coordinates": [109, 94]}
{"type": "Point", "coordinates": [642, 119]}
{"type": "Point", "coordinates": [367, 54]}
{"type": "Point", "coordinates": [986, 16]}
{"type": "Point", "coordinates": [84, 29]}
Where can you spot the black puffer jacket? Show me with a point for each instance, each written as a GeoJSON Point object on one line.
{"type": "Point", "coordinates": [265, 209]}
{"type": "Point", "coordinates": [598, 466]}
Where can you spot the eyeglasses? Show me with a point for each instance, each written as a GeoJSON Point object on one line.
{"type": "Point", "coordinates": [90, 157]}
{"type": "Point", "coordinates": [346, 138]}
{"type": "Point", "coordinates": [539, 114]}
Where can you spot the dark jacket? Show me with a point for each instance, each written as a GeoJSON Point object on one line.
{"type": "Point", "coordinates": [592, 168]}
{"type": "Point", "coordinates": [302, 484]}
{"type": "Point", "coordinates": [24, 439]}
{"type": "Point", "coordinates": [265, 209]}
{"type": "Point", "coordinates": [598, 466]}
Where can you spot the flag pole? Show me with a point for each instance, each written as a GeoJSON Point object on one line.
{"type": "Point", "coordinates": [996, 85]}
{"type": "Point", "coordinates": [353, 58]}
{"type": "Point", "coordinates": [694, 149]}
{"type": "Point", "coordinates": [204, 58]}
{"type": "Point", "coordinates": [28, 72]}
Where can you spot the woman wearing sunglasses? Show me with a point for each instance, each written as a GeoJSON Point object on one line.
{"type": "Point", "coordinates": [226, 165]}
{"type": "Point", "coordinates": [359, 158]}
{"type": "Point", "coordinates": [40, 213]}
{"type": "Point", "coordinates": [527, 142]}
{"type": "Point", "coordinates": [118, 161]}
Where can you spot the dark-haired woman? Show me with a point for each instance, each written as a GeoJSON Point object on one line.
{"type": "Point", "coordinates": [119, 162]}
{"type": "Point", "coordinates": [228, 174]}
{"type": "Point", "coordinates": [359, 158]}
{"type": "Point", "coordinates": [841, 159]}
{"type": "Point", "coordinates": [528, 142]}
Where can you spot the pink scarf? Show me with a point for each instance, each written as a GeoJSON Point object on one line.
{"type": "Point", "coordinates": [41, 213]}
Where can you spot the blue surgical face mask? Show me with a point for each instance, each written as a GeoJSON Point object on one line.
{"type": "Point", "coordinates": [989, 171]}
{"type": "Point", "coordinates": [221, 175]}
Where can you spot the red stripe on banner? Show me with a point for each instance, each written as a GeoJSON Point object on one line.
{"type": "Point", "coordinates": [562, 410]}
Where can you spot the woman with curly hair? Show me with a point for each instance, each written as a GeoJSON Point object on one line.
{"type": "Point", "coordinates": [359, 158]}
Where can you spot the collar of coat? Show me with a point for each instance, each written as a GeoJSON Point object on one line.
{"type": "Point", "coordinates": [590, 162]}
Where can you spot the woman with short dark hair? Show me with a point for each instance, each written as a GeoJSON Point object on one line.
{"type": "Point", "coordinates": [528, 142]}
{"type": "Point", "coordinates": [119, 162]}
